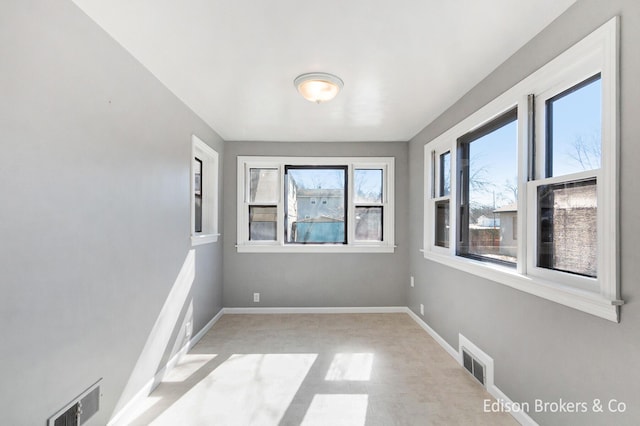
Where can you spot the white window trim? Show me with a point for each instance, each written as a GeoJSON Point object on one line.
{"type": "Point", "coordinates": [598, 52]}
{"type": "Point", "coordinates": [209, 158]}
{"type": "Point", "coordinates": [244, 245]}
{"type": "Point", "coordinates": [434, 188]}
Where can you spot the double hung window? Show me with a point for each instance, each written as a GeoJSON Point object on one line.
{"type": "Point", "coordinates": [288, 204]}
{"type": "Point", "coordinates": [441, 168]}
{"type": "Point", "coordinates": [263, 203]}
{"type": "Point", "coordinates": [524, 191]}
{"type": "Point", "coordinates": [564, 185]}
{"type": "Point", "coordinates": [197, 194]}
{"type": "Point", "coordinates": [369, 204]}
{"type": "Point", "coordinates": [204, 193]}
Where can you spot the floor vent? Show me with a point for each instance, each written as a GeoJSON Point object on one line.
{"type": "Point", "coordinates": [473, 366]}
{"type": "Point", "coordinates": [81, 409]}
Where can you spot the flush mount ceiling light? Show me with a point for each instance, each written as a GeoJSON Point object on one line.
{"type": "Point", "coordinates": [318, 86]}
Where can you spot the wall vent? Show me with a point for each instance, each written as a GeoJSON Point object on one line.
{"type": "Point", "coordinates": [475, 361]}
{"type": "Point", "coordinates": [81, 409]}
{"type": "Point", "coordinates": [473, 366]}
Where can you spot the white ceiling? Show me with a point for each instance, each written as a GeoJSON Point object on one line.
{"type": "Point", "coordinates": [403, 62]}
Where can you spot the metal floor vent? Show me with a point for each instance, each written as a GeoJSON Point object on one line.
{"type": "Point", "coordinates": [473, 366]}
{"type": "Point", "coordinates": [81, 409]}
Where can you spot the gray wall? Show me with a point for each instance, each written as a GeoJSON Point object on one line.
{"type": "Point", "coordinates": [95, 217]}
{"type": "Point", "coordinates": [313, 279]}
{"type": "Point", "coordinates": [542, 349]}
{"type": "Point", "coordinates": [94, 231]}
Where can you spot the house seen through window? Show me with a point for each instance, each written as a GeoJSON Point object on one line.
{"type": "Point", "coordinates": [328, 202]}
{"type": "Point", "coordinates": [306, 220]}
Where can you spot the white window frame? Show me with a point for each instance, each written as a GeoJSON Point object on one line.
{"type": "Point", "coordinates": [596, 53]}
{"type": "Point", "coordinates": [209, 158]}
{"type": "Point", "coordinates": [434, 187]}
{"type": "Point", "coordinates": [386, 164]}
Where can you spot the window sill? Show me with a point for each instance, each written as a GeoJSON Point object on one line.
{"type": "Point", "coordinates": [200, 239]}
{"type": "Point", "coordinates": [582, 300]}
{"type": "Point", "coordinates": [314, 248]}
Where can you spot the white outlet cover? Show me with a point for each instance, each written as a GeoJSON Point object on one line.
{"type": "Point", "coordinates": [421, 309]}
{"type": "Point", "coordinates": [256, 297]}
{"type": "Point", "coordinates": [412, 282]}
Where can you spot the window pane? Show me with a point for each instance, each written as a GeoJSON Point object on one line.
{"type": "Point", "coordinates": [263, 185]}
{"type": "Point", "coordinates": [574, 129]}
{"type": "Point", "coordinates": [367, 185]}
{"type": "Point", "coordinates": [567, 227]}
{"type": "Point", "coordinates": [197, 192]}
{"type": "Point", "coordinates": [442, 223]}
{"type": "Point", "coordinates": [445, 174]}
{"type": "Point", "coordinates": [315, 204]}
{"type": "Point", "coordinates": [489, 190]}
{"type": "Point", "coordinates": [263, 223]}
{"type": "Point", "coordinates": [368, 223]}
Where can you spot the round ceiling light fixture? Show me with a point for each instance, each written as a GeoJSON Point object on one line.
{"type": "Point", "coordinates": [318, 86]}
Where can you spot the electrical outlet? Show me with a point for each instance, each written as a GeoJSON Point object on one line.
{"type": "Point", "coordinates": [256, 297]}
{"type": "Point", "coordinates": [413, 283]}
{"type": "Point", "coordinates": [421, 309]}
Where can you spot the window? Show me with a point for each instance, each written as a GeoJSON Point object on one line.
{"type": "Point", "coordinates": [524, 191]}
{"type": "Point", "coordinates": [567, 227]}
{"type": "Point", "coordinates": [197, 193]}
{"type": "Point", "coordinates": [566, 188]}
{"type": "Point", "coordinates": [573, 128]}
{"type": "Point", "coordinates": [288, 204]}
{"type": "Point", "coordinates": [442, 223]}
{"type": "Point", "coordinates": [369, 204]}
{"type": "Point", "coordinates": [307, 222]}
{"type": "Point", "coordinates": [204, 193]}
{"type": "Point", "coordinates": [445, 174]}
{"type": "Point", "coordinates": [262, 223]}
{"type": "Point", "coordinates": [441, 179]}
{"type": "Point", "coordinates": [488, 170]}
{"type": "Point", "coordinates": [262, 204]}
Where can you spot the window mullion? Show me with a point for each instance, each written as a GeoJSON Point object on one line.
{"type": "Point", "coordinates": [280, 206]}
{"type": "Point", "coordinates": [351, 208]}
{"type": "Point", "coordinates": [453, 200]}
{"type": "Point", "coordinates": [526, 173]}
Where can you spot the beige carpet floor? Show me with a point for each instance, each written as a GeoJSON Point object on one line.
{"type": "Point", "coordinates": [317, 369]}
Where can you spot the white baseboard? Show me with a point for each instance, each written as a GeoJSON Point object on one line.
{"type": "Point", "coordinates": [195, 339]}
{"type": "Point", "coordinates": [520, 416]}
{"type": "Point", "coordinates": [446, 346]}
{"type": "Point", "coordinates": [122, 416]}
{"type": "Point", "coordinates": [334, 310]}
